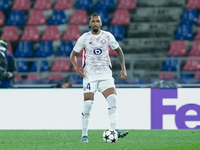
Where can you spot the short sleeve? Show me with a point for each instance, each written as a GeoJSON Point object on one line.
{"type": "Point", "coordinates": [113, 43]}
{"type": "Point", "coordinates": [79, 44]}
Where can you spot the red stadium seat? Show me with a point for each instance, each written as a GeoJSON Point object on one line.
{"type": "Point", "coordinates": [31, 33]}
{"type": "Point", "coordinates": [33, 76]}
{"type": "Point", "coordinates": [193, 4]}
{"type": "Point", "coordinates": [10, 33]}
{"type": "Point", "coordinates": [36, 18]}
{"type": "Point", "coordinates": [195, 51]}
{"type": "Point", "coordinates": [79, 17]}
{"type": "Point", "coordinates": [60, 66]}
{"type": "Point", "coordinates": [126, 4]}
{"type": "Point", "coordinates": [63, 4]}
{"type": "Point", "coordinates": [21, 5]}
{"type": "Point", "coordinates": [197, 37]}
{"type": "Point", "coordinates": [1, 18]}
{"type": "Point", "coordinates": [166, 75]}
{"type": "Point", "coordinates": [79, 63]}
{"type": "Point", "coordinates": [55, 76]}
{"type": "Point", "coordinates": [72, 33]}
{"type": "Point", "coordinates": [42, 5]}
{"type": "Point", "coordinates": [18, 77]}
{"type": "Point", "coordinates": [192, 65]}
{"type": "Point", "coordinates": [121, 17]}
{"type": "Point", "coordinates": [178, 48]}
{"type": "Point", "coordinates": [51, 33]}
{"type": "Point", "coordinates": [112, 52]}
{"type": "Point", "coordinates": [10, 50]}
{"type": "Point", "coordinates": [197, 75]}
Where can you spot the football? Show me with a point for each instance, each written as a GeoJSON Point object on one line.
{"type": "Point", "coordinates": [110, 136]}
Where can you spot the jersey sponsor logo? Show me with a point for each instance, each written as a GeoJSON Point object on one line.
{"type": "Point", "coordinates": [97, 51]}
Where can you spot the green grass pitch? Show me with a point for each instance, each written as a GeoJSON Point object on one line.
{"type": "Point", "coordinates": [70, 140]}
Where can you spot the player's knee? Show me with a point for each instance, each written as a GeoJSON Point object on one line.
{"type": "Point", "coordinates": [112, 101]}
{"type": "Point", "coordinates": [88, 96]}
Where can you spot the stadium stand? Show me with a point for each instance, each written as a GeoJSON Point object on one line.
{"type": "Point", "coordinates": [149, 32]}
{"type": "Point", "coordinates": [60, 66]}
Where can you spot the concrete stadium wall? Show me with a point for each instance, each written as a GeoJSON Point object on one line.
{"type": "Point", "coordinates": [62, 108]}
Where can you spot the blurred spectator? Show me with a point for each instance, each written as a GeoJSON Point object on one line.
{"type": "Point", "coordinates": [10, 70]}
{"type": "Point", "coordinates": [65, 84]}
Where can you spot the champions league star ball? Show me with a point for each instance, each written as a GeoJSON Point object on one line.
{"type": "Point", "coordinates": [110, 136]}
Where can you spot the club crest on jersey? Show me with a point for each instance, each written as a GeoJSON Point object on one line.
{"type": "Point", "coordinates": [103, 41]}
{"type": "Point", "coordinates": [90, 42]}
{"type": "Point", "coordinates": [97, 51]}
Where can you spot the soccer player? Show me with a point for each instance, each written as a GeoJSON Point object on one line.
{"type": "Point", "coordinates": [97, 71]}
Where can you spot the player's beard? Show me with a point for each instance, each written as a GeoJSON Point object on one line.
{"type": "Point", "coordinates": [95, 29]}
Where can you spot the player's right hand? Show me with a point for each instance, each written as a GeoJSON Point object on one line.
{"type": "Point", "coordinates": [80, 73]}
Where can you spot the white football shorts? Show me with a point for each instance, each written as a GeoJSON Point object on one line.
{"type": "Point", "coordinates": [100, 85]}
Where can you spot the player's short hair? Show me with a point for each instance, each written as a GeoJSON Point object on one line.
{"type": "Point", "coordinates": [94, 14]}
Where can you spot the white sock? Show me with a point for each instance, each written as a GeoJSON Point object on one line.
{"type": "Point", "coordinates": [85, 116]}
{"type": "Point", "coordinates": [112, 110]}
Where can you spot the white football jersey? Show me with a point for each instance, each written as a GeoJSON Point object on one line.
{"type": "Point", "coordinates": [96, 61]}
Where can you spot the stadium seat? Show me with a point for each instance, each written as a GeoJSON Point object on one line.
{"type": "Point", "coordinates": [55, 76]}
{"type": "Point", "coordinates": [117, 31]}
{"type": "Point", "coordinates": [127, 4]}
{"type": "Point", "coordinates": [51, 33]}
{"type": "Point", "coordinates": [24, 49]}
{"type": "Point", "coordinates": [184, 32]}
{"type": "Point", "coordinates": [18, 77]}
{"type": "Point", "coordinates": [10, 50]}
{"type": "Point", "coordinates": [44, 66]}
{"type": "Point", "coordinates": [4, 4]}
{"type": "Point", "coordinates": [60, 66]}
{"type": "Point", "coordinates": [79, 17]}
{"type": "Point", "coordinates": [63, 5]}
{"type": "Point", "coordinates": [30, 33]}
{"type": "Point", "coordinates": [72, 33]}
{"type": "Point", "coordinates": [190, 16]}
{"type": "Point", "coordinates": [42, 5]}
{"type": "Point", "coordinates": [79, 64]}
{"type": "Point", "coordinates": [21, 5]}
{"type": "Point", "coordinates": [121, 17]}
{"type": "Point", "coordinates": [195, 51]}
{"type": "Point", "coordinates": [170, 64]}
{"type": "Point", "coordinates": [104, 16]}
{"type": "Point", "coordinates": [197, 75]}
{"type": "Point", "coordinates": [197, 37]}
{"type": "Point", "coordinates": [10, 33]}
{"type": "Point", "coordinates": [45, 49]}
{"type": "Point", "coordinates": [16, 18]}
{"type": "Point", "coordinates": [22, 66]}
{"type": "Point", "coordinates": [65, 49]}
{"type": "Point", "coordinates": [1, 18]}
{"type": "Point", "coordinates": [32, 76]}
{"type": "Point", "coordinates": [75, 79]}
{"type": "Point", "coordinates": [84, 4]}
{"type": "Point", "coordinates": [106, 4]}
{"type": "Point", "coordinates": [193, 4]}
{"type": "Point", "coordinates": [177, 48]}
{"type": "Point", "coordinates": [36, 18]}
{"type": "Point", "coordinates": [58, 17]}
{"type": "Point", "coordinates": [192, 65]}
{"type": "Point", "coordinates": [166, 75]}
{"type": "Point", "coordinates": [198, 21]}
{"type": "Point", "coordinates": [112, 52]}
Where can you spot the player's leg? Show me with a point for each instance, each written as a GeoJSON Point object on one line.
{"type": "Point", "coordinates": [111, 97]}
{"type": "Point", "coordinates": [89, 90]}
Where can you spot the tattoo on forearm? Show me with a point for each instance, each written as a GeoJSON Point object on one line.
{"type": "Point", "coordinates": [120, 55]}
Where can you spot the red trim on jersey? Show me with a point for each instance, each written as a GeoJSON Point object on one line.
{"type": "Point", "coordinates": [84, 54]}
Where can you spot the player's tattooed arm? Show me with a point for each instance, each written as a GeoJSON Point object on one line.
{"type": "Point", "coordinates": [121, 58]}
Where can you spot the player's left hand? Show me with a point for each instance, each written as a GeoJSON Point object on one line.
{"type": "Point", "coordinates": [123, 74]}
